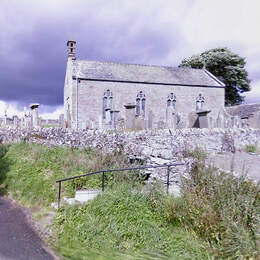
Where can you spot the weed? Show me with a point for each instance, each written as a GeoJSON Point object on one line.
{"type": "Point", "coordinates": [198, 154]}
{"type": "Point", "coordinates": [251, 148]}
{"type": "Point", "coordinates": [221, 209]}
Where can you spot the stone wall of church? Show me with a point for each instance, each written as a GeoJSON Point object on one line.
{"type": "Point", "coordinates": [70, 95]}
{"type": "Point", "coordinates": [90, 102]}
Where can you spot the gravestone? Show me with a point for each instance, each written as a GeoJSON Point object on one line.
{"type": "Point", "coordinates": [139, 122]}
{"type": "Point", "coordinates": [130, 116]}
{"type": "Point", "coordinates": [114, 118]}
{"type": "Point", "coordinates": [160, 124]}
{"type": "Point", "coordinates": [16, 121]}
{"type": "Point", "coordinates": [193, 120]}
{"type": "Point", "coordinates": [236, 122]}
{"type": "Point", "coordinates": [171, 120]}
{"type": "Point", "coordinates": [150, 119]}
{"type": "Point", "coordinates": [203, 118]}
{"type": "Point", "coordinates": [35, 115]}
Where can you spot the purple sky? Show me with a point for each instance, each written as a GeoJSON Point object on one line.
{"type": "Point", "coordinates": [33, 39]}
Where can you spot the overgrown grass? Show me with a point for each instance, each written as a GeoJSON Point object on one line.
{"type": "Point", "coordinates": [128, 221]}
{"type": "Point", "coordinates": [251, 148]}
{"type": "Point", "coordinates": [197, 154]}
{"type": "Point", "coordinates": [29, 171]}
{"type": "Point", "coordinates": [222, 209]}
{"type": "Point", "coordinates": [216, 216]}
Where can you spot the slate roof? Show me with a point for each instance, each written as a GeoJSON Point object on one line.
{"type": "Point", "coordinates": [243, 111]}
{"type": "Point", "coordinates": [110, 71]}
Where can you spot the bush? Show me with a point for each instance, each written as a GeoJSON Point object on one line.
{"type": "Point", "coordinates": [222, 209]}
{"type": "Point", "coordinates": [197, 154]}
{"type": "Point", "coordinates": [251, 148]}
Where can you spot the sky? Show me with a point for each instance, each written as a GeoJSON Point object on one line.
{"type": "Point", "coordinates": [34, 34]}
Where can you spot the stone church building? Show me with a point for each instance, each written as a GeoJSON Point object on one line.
{"type": "Point", "coordinates": [109, 95]}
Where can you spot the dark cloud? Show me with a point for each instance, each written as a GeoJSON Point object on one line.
{"type": "Point", "coordinates": [34, 68]}
{"type": "Point", "coordinates": [33, 39]}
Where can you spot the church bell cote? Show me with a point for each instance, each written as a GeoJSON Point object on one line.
{"type": "Point", "coordinates": [71, 45]}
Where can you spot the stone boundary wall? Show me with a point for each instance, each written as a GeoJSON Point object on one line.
{"type": "Point", "coordinates": [144, 144]}
{"type": "Point", "coordinates": [154, 147]}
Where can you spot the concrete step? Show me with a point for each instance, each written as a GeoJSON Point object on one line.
{"type": "Point", "coordinates": [85, 195]}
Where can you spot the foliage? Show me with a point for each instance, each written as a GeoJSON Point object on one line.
{"type": "Point", "coordinates": [216, 216]}
{"type": "Point", "coordinates": [128, 220]}
{"type": "Point", "coordinates": [251, 148]}
{"type": "Point", "coordinates": [197, 154]}
{"type": "Point", "coordinates": [227, 67]}
{"type": "Point", "coordinates": [222, 209]}
{"type": "Point", "coordinates": [29, 171]}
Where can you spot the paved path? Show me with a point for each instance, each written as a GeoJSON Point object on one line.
{"type": "Point", "coordinates": [239, 162]}
{"type": "Point", "coordinates": [18, 241]}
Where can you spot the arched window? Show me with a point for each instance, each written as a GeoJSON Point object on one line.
{"type": "Point", "coordinates": [140, 103]}
{"type": "Point", "coordinates": [171, 101]}
{"type": "Point", "coordinates": [107, 101]}
{"type": "Point", "coordinates": [200, 100]}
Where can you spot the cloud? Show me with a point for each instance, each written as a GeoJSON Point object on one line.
{"type": "Point", "coordinates": [33, 38]}
{"type": "Point", "coordinates": [254, 95]}
{"type": "Point", "coordinates": [9, 108]}
{"type": "Point", "coordinates": [46, 112]}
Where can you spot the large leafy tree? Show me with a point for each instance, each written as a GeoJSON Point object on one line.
{"type": "Point", "coordinates": [227, 67]}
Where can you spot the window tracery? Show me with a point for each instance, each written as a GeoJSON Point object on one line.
{"type": "Point", "coordinates": [200, 100]}
{"type": "Point", "coordinates": [140, 103]}
{"type": "Point", "coordinates": [171, 101]}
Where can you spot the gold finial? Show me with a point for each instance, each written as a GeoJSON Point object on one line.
{"type": "Point", "coordinates": [71, 38]}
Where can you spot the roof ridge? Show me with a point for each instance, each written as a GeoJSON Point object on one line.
{"type": "Point", "coordinates": [141, 65]}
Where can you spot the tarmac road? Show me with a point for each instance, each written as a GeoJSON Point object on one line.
{"type": "Point", "coordinates": [18, 241]}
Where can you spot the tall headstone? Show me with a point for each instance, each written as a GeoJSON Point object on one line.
{"type": "Point", "coordinates": [139, 123]}
{"type": "Point", "coordinates": [203, 118]}
{"type": "Point", "coordinates": [150, 119]}
{"type": "Point", "coordinates": [5, 118]}
{"type": "Point", "coordinates": [258, 119]}
{"type": "Point", "coordinates": [237, 122]}
{"type": "Point", "coordinates": [35, 115]}
{"type": "Point", "coordinates": [114, 119]}
{"type": "Point", "coordinates": [130, 116]}
{"type": "Point", "coordinates": [61, 120]}
{"type": "Point", "coordinates": [108, 118]}
{"type": "Point", "coordinates": [16, 121]}
{"type": "Point", "coordinates": [220, 121]}
{"type": "Point", "coordinates": [171, 120]}
{"type": "Point", "coordinates": [193, 120]}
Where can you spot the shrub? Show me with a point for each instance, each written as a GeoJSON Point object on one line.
{"type": "Point", "coordinates": [222, 209]}
{"type": "Point", "coordinates": [198, 154]}
{"type": "Point", "coordinates": [251, 148]}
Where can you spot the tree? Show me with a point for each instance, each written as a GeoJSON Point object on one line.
{"type": "Point", "coordinates": [227, 67]}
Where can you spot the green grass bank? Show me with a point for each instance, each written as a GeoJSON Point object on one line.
{"type": "Point", "coordinates": [217, 215]}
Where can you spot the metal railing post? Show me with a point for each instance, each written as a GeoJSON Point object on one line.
{"type": "Point", "coordinates": [168, 178]}
{"type": "Point", "coordinates": [118, 170]}
{"type": "Point", "coordinates": [59, 194]}
{"type": "Point", "coordinates": [103, 181]}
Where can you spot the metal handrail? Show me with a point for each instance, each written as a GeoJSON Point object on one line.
{"type": "Point", "coordinates": [118, 170]}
